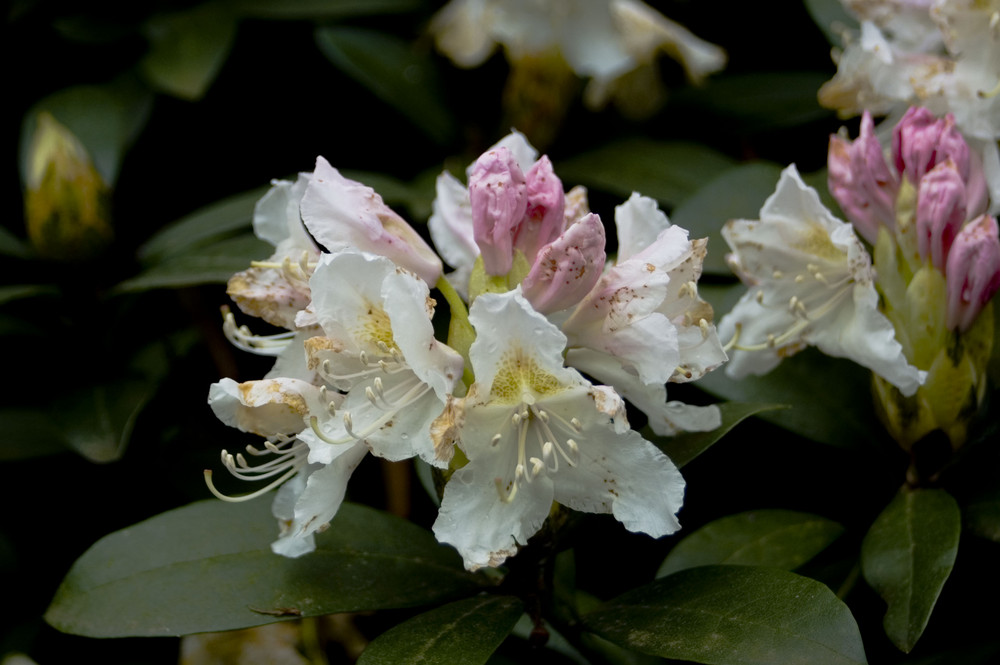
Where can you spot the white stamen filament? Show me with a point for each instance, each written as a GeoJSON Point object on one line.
{"type": "Point", "coordinates": [243, 339]}
{"type": "Point", "coordinates": [414, 390]}
{"type": "Point", "coordinates": [291, 457]}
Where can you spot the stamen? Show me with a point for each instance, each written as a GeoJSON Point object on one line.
{"type": "Point", "coordinates": [537, 466]}
{"type": "Point", "coordinates": [496, 439]}
{"type": "Point", "coordinates": [777, 274]}
{"type": "Point", "coordinates": [242, 338]}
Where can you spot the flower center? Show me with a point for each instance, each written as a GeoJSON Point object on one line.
{"type": "Point", "coordinates": [549, 435]}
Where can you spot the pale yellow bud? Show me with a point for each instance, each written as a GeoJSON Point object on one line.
{"type": "Point", "coordinates": [67, 202]}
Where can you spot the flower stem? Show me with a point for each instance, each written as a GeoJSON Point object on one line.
{"type": "Point", "coordinates": [461, 334]}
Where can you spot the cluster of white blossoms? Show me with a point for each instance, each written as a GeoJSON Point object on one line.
{"type": "Point", "coordinates": [605, 41]}
{"type": "Point", "coordinates": [943, 55]}
{"type": "Point", "coordinates": [912, 311]}
{"type": "Point", "coordinates": [359, 369]}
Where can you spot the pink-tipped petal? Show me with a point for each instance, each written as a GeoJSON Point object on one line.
{"type": "Point", "coordinates": [567, 268]}
{"type": "Point", "coordinates": [861, 181]}
{"type": "Point", "coordinates": [973, 271]}
{"type": "Point", "coordinates": [543, 220]}
{"type": "Point", "coordinates": [921, 141]}
{"type": "Point", "coordinates": [941, 206]}
{"type": "Point", "coordinates": [498, 194]}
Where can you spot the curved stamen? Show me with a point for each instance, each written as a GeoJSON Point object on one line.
{"type": "Point", "coordinates": [246, 497]}
{"type": "Point", "coordinates": [243, 339]}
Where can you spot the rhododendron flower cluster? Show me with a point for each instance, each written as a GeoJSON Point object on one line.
{"type": "Point", "coordinates": [534, 301]}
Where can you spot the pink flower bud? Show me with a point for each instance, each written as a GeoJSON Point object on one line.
{"type": "Point", "coordinates": [567, 268]}
{"type": "Point", "coordinates": [543, 221]}
{"type": "Point", "coordinates": [862, 182]}
{"type": "Point", "coordinates": [941, 205]}
{"type": "Point", "coordinates": [921, 141]}
{"type": "Point", "coordinates": [973, 271]}
{"type": "Point", "coordinates": [498, 194]}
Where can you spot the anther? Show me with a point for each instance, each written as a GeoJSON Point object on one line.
{"type": "Point", "coordinates": [536, 467]}
{"type": "Point", "coordinates": [577, 425]}
{"type": "Point", "coordinates": [759, 297]}
{"type": "Point", "coordinates": [703, 324]}
{"type": "Point", "coordinates": [777, 274]}
{"type": "Point", "coordinates": [821, 278]}
{"type": "Point", "coordinates": [543, 416]}
{"type": "Point", "coordinates": [496, 439]}
{"type": "Point", "coordinates": [370, 394]}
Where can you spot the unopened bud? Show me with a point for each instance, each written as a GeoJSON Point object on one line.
{"type": "Point", "coordinates": [67, 202]}
{"type": "Point", "coordinates": [498, 194]}
{"type": "Point", "coordinates": [543, 220]}
{"type": "Point", "coordinates": [972, 272]}
{"type": "Point", "coordinates": [921, 141]}
{"type": "Point", "coordinates": [941, 206]}
{"type": "Point", "coordinates": [567, 268]}
{"type": "Point", "coordinates": [861, 181]}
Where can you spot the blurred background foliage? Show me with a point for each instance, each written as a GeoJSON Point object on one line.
{"type": "Point", "coordinates": [188, 109]}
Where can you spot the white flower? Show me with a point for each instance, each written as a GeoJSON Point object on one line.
{"type": "Point", "coordinates": [811, 282]}
{"type": "Point", "coordinates": [603, 41]}
{"type": "Point", "coordinates": [535, 432]}
{"type": "Point", "coordinates": [644, 323]}
{"type": "Point", "coordinates": [943, 55]}
{"type": "Point", "coordinates": [378, 346]}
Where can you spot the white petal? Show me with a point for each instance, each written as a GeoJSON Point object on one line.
{"type": "Point", "coordinates": [451, 223]}
{"type": "Point", "coordinates": [266, 407]}
{"type": "Point", "coordinates": [276, 215]}
{"type": "Point", "coordinates": [640, 222]}
{"type": "Point", "coordinates": [484, 529]}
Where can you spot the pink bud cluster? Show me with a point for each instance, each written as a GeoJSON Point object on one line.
{"type": "Point", "coordinates": [931, 157]}
{"type": "Point", "coordinates": [513, 211]}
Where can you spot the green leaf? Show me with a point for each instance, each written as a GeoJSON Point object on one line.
{"type": "Point", "coordinates": [224, 217]}
{"type": "Point", "coordinates": [319, 9]}
{"type": "Point", "coordinates": [208, 567]}
{"type": "Point", "coordinates": [394, 72]}
{"type": "Point", "coordinates": [908, 555]}
{"type": "Point", "coordinates": [209, 264]}
{"type": "Point", "coordinates": [106, 119]}
{"type": "Point", "coordinates": [97, 422]}
{"type": "Point", "coordinates": [187, 49]}
{"type": "Point", "coordinates": [737, 193]}
{"type": "Point", "coordinates": [667, 171]}
{"type": "Point", "coordinates": [11, 245]}
{"type": "Point", "coordinates": [684, 447]}
{"type": "Point", "coordinates": [982, 514]}
{"type": "Point", "coordinates": [832, 18]}
{"type": "Point", "coordinates": [29, 433]}
{"type": "Point", "coordinates": [760, 101]}
{"type": "Point", "coordinates": [20, 291]}
{"type": "Point", "coordinates": [733, 615]}
{"type": "Point", "coordinates": [783, 539]}
{"type": "Point", "coordinates": [465, 632]}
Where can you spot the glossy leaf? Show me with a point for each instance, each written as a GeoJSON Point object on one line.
{"type": "Point", "coordinates": [465, 632]}
{"type": "Point", "coordinates": [97, 422]}
{"type": "Point", "coordinates": [188, 49]}
{"type": "Point", "coordinates": [783, 539]}
{"type": "Point", "coordinates": [907, 557]}
{"type": "Point", "coordinates": [733, 615]}
{"type": "Point", "coordinates": [106, 119]}
{"type": "Point", "coordinates": [394, 72]}
{"type": "Point", "coordinates": [214, 263]}
{"type": "Point", "coordinates": [208, 566]}
{"type": "Point", "coordinates": [224, 217]}
{"type": "Point", "coordinates": [21, 291]}
{"type": "Point", "coordinates": [684, 447]}
{"type": "Point", "coordinates": [667, 171]}
{"type": "Point", "coordinates": [760, 101]}
{"type": "Point", "coordinates": [319, 9]}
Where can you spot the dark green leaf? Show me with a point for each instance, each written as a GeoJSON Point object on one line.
{"type": "Point", "coordinates": [908, 555]}
{"type": "Point", "coordinates": [982, 514]}
{"type": "Point", "coordinates": [684, 447]}
{"type": "Point", "coordinates": [29, 433]}
{"type": "Point", "coordinates": [319, 9]}
{"type": "Point", "coordinates": [465, 632]}
{"type": "Point", "coordinates": [783, 539]}
{"type": "Point", "coordinates": [738, 193]}
{"type": "Point", "coordinates": [733, 615]}
{"type": "Point", "coordinates": [668, 172]}
{"type": "Point", "coordinates": [106, 119]}
{"type": "Point", "coordinates": [11, 245]}
{"type": "Point", "coordinates": [760, 101]}
{"type": "Point", "coordinates": [208, 567]}
{"type": "Point", "coordinates": [224, 217]}
{"type": "Point", "coordinates": [208, 264]}
{"type": "Point", "coordinates": [19, 291]}
{"type": "Point", "coordinates": [832, 18]}
{"type": "Point", "coordinates": [97, 422]}
{"type": "Point", "coordinates": [394, 72]}
{"type": "Point", "coordinates": [188, 49]}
